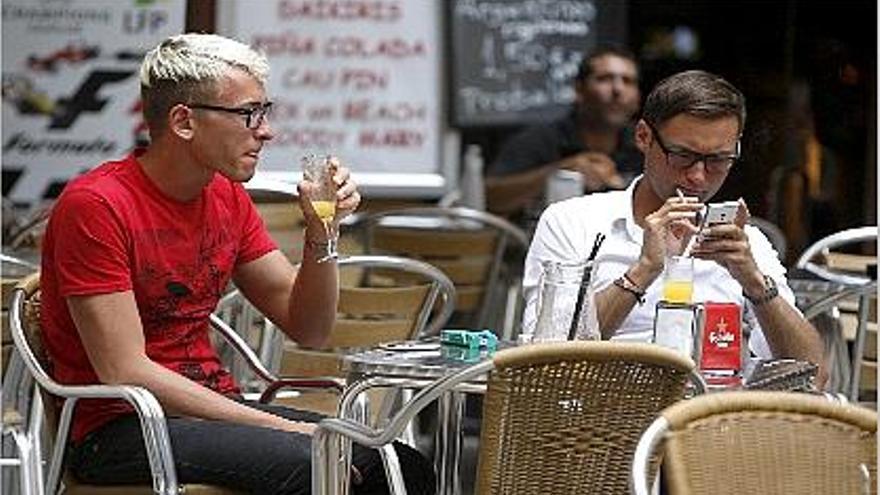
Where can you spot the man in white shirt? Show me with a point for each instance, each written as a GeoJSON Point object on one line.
{"type": "Point", "coordinates": [689, 134]}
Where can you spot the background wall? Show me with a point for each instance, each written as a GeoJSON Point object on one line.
{"type": "Point", "coordinates": [801, 65]}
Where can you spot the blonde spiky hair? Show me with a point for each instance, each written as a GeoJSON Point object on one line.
{"type": "Point", "coordinates": [199, 57]}
{"type": "Point", "coordinates": [186, 68]}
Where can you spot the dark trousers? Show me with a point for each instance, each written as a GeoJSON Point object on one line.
{"type": "Point", "coordinates": [247, 458]}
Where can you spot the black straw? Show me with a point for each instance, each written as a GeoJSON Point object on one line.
{"type": "Point", "coordinates": [585, 282]}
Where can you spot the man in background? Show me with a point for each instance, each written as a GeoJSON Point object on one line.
{"type": "Point", "coordinates": [594, 139]}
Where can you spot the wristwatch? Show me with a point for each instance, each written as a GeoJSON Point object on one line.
{"type": "Point", "coordinates": [770, 292]}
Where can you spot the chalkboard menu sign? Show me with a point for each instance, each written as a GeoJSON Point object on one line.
{"type": "Point", "coordinates": [513, 60]}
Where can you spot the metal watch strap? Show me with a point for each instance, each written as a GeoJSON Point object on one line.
{"type": "Point", "coordinates": [770, 292]}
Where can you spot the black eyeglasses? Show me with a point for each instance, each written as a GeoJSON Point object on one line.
{"type": "Point", "coordinates": [254, 116]}
{"type": "Point", "coordinates": [683, 159]}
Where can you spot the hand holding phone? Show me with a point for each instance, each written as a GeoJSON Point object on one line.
{"type": "Point", "coordinates": [719, 213]}
{"type": "Point", "coordinates": [713, 214]}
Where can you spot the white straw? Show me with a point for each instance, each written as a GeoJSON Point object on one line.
{"type": "Point", "coordinates": [690, 245]}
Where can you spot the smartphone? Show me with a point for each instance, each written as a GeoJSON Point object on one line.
{"type": "Point", "coordinates": [720, 213]}
{"type": "Point", "coordinates": [713, 214]}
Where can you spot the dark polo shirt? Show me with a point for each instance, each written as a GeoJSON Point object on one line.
{"type": "Point", "coordinates": [541, 144]}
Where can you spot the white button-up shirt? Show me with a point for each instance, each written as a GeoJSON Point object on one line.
{"type": "Point", "coordinates": [567, 230]}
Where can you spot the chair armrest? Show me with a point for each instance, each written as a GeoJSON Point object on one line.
{"type": "Point", "coordinates": [243, 349]}
{"type": "Point", "coordinates": [357, 431]}
{"type": "Point", "coordinates": [153, 426]}
{"type": "Point", "coordinates": [377, 438]}
{"type": "Point", "coordinates": [330, 454]}
{"type": "Point", "coordinates": [640, 470]}
{"type": "Point", "coordinates": [145, 404]}
{"type": "Point", "coordinates": [302, 384]}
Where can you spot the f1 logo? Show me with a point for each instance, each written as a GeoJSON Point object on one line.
{"type": "Point", "coordinates": [86, 98]}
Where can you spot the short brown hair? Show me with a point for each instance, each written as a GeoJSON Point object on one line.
{"type": "Point", "coordinates": [697, 93]}
{"type": "Point", "coordinates": [585, 69]}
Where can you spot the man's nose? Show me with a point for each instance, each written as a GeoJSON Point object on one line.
{"type": "Point", "coordinates": [265, 131]}
{"type": "Point", "coordinates": [696, 172]}
{"type": "Point", "coordinates": [618, 84]}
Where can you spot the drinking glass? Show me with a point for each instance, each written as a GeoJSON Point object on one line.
{"type": "Point", "coordinates": [319, 169]}
{"type": "Point", "coordinates": [566, 309]}
{"type": "Point", "coordinates": [678, 279]}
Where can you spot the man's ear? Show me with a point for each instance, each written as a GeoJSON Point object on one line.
{"type": "Point", "coordinates": [643, 136]}
{"type": "Point", "coordinates": [180, 121]}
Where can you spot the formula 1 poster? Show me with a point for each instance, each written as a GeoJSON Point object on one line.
{"type": "Point", "coordinates": [71, 96]}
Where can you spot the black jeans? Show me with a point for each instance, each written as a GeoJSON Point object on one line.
{"type": "Point", "coordinates": [247, 458]}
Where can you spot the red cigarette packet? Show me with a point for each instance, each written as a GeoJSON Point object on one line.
{"type": "Point", "coordinates": [722, 337]}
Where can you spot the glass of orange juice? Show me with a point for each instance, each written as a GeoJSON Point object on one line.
{"type": "Point", "coordinates": [320, 169]}
{"type": "Point", "coordinates": [678, 280]}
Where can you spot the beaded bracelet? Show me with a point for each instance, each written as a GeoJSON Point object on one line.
{"type": "Point", "coordinates": [625, 283]}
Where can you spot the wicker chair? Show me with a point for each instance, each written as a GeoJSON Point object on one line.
{"type": "Point", "coordinates": [558, 417]}
{"type": "Point", "coordinates": [26, 332]}
{"type": "Point", "coordinates": [761, 442]}
{"type": "Point", "coordinates": [21, 408]}
{"type": "Point", "coordinates": [367, 316]}
{"type": "Point", "coordinates": [848, 276]}
{"type": "Point", "coordinates": [825, 249]}
{"type": "Point", "coordinates": [473, 248]}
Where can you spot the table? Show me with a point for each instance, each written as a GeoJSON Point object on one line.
{"type": "Point", "coordinates": [789, 375]}
{"type": "Point", "coordinates": [409, 365]}
{"type": "Point", "coordinates": [416, 364]}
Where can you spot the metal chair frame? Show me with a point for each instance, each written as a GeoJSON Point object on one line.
{"type": "Point", "coordinates": [270, 347]}
{"type": "Point", "coordinates": [510, 234]}
{"type": "Point", "coordinates": [330, 457]}
{"type": "Point", "coordinates": [826, 244]}
{"type": "Point", "coordinates": [22, 412]}
{"type": "Point", "coordinates": [146, 406]}
{"type": "Point", "coordinates": [864, 293]}
{"type": "Point", "coordinates": [846, 368]}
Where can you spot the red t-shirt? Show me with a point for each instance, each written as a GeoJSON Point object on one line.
{"type": "Point", "coordinates": [113, 230]}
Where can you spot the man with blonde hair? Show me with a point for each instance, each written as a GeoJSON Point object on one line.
{"type": "Point", "coordinates": [137, 254]}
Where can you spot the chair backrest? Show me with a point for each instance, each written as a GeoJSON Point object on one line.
{"type": "Point", "coordinates": [765, 442]}
{"type": "Point", "coordinates": [30, 229]}
{"type": "Point", "coordinates": [846, 264]}
{"type": "Point", "coordinates": [566, 417]}
{"type": "Point", "coordinates": [14, 270]}
{"type": "Point", "coordinates": [27, 333]}
{"type": "Point", "coordinates": [22, 410]}
{"type": "Point", "coordinates": [849, 313]}
{"type": "Point", "coordinates": [277, 205]}
{"type": "Point", "coordinates": [369, 315]}
{"type": "Point", "coordinates": [480, 253]}
{"type": "Point", "coordinates": [840, 310]}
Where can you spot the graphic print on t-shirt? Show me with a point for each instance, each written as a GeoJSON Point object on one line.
{"type": "Point", "coordinates": [181, 277]}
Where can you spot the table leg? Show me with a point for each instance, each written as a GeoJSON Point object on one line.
{"type": "Point", "coordinates": [450, 409]}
